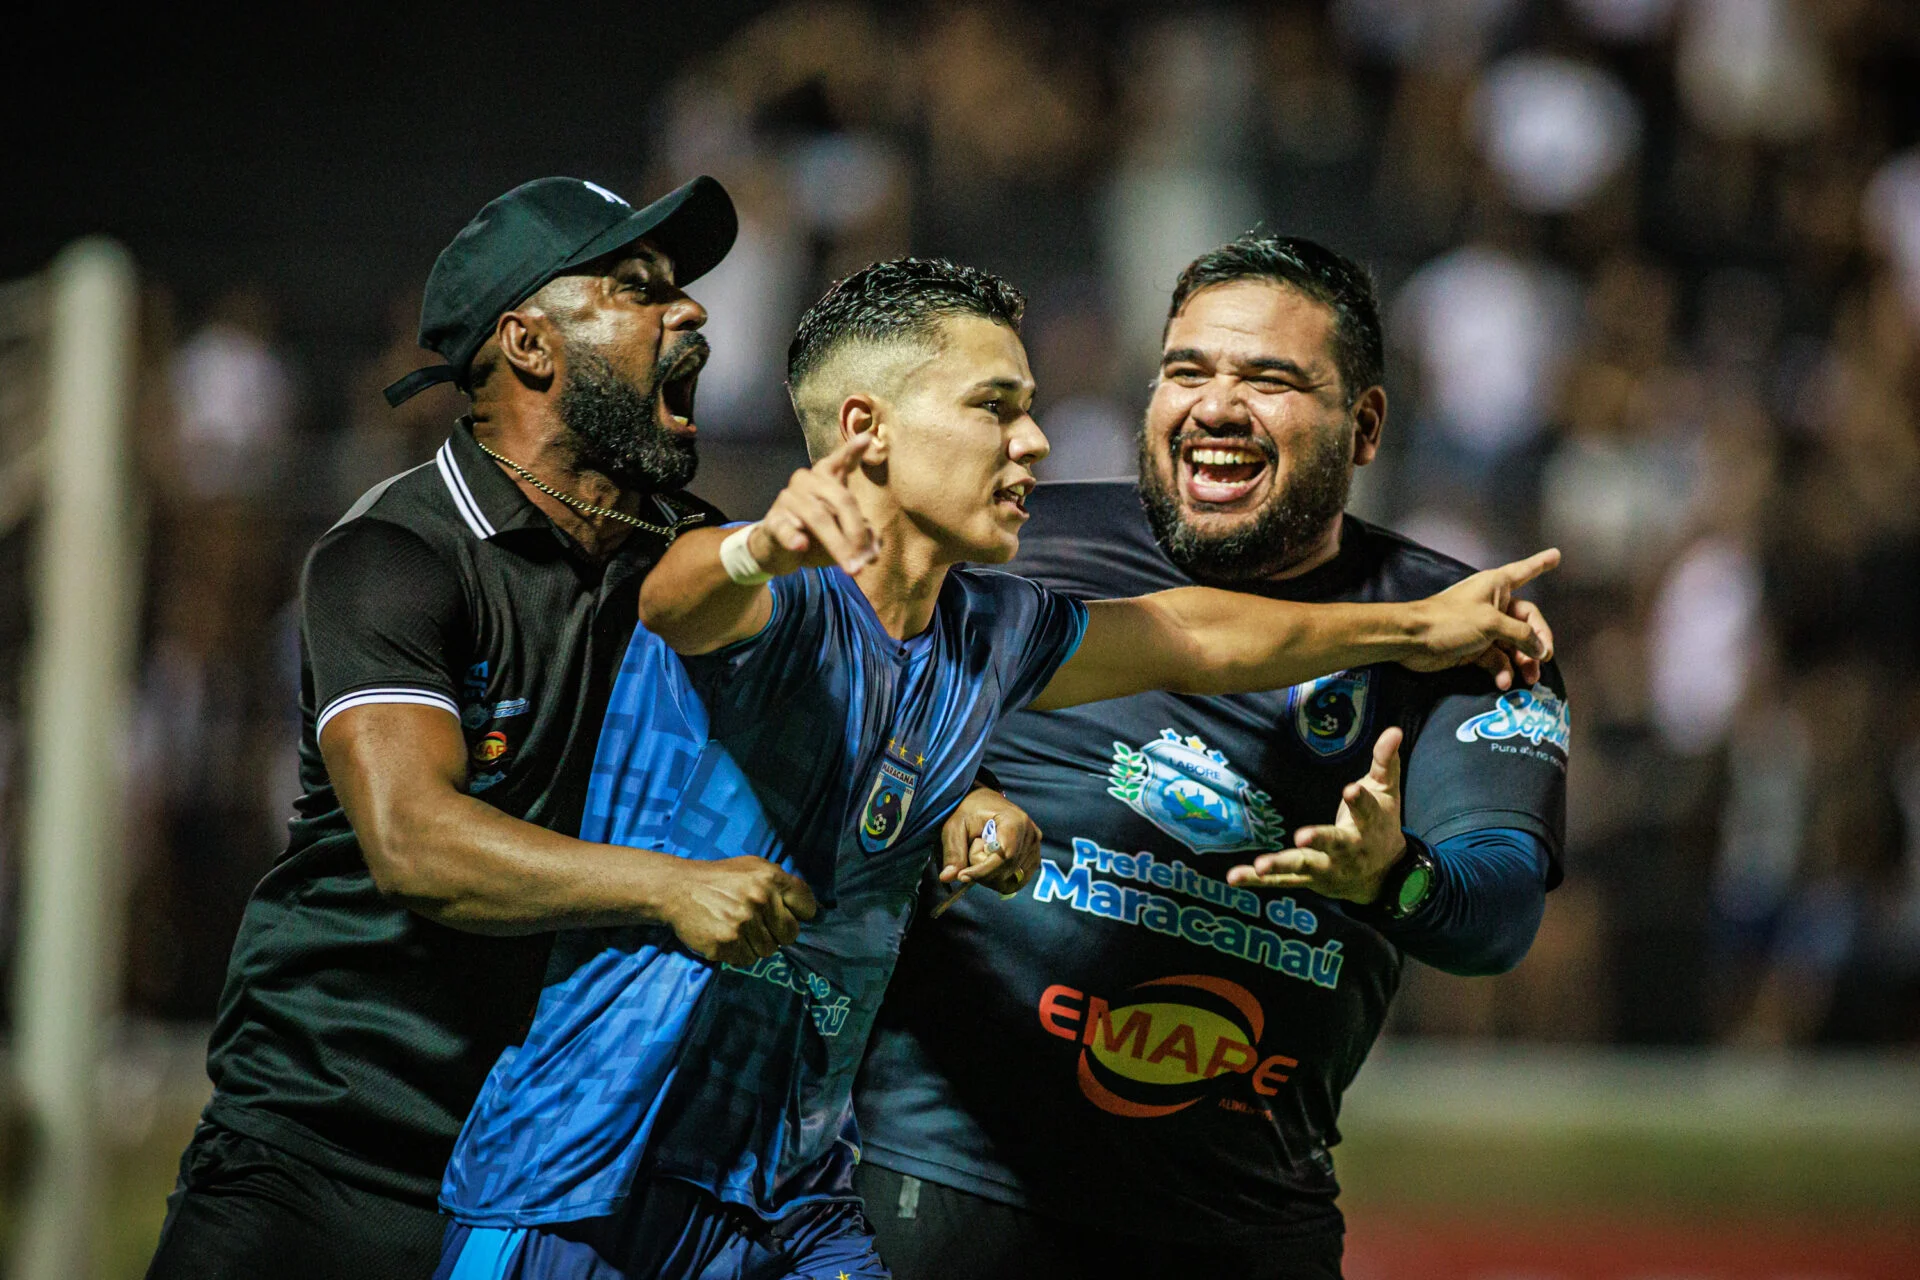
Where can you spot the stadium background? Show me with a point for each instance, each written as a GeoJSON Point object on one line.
{"type": "Point", "coordinates": [1651, 271]}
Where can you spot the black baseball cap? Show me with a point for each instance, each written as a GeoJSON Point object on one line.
{"type": "Point", "coordinates": [542, 229]}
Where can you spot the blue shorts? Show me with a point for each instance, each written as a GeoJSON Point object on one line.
{"type": "Point", "coordinates": [675, 1232]}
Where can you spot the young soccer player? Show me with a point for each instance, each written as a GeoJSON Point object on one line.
{"type": "Point", "coordinates": [839, 672]}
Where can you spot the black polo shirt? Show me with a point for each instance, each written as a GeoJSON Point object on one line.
{"type": "Point", "coordinates": [353, 1032]}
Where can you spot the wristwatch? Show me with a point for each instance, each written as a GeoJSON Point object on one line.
{"type": "Point", "coordinates": [1409, 882]}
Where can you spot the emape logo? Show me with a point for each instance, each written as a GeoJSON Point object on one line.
{"type": "Point", "coordinates": [1166, 1044]}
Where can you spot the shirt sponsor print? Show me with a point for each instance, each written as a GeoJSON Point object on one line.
{"type": "Point", "coordinates": [1166, 1044]}
{"type": "Point", "coordinates": [1330, 714]}
{"type": "Point", "coordinates": [481, 712]}
{"type": "Point", "coordinates": [826, 1006]}
{"type": "Point", "coordinates": [1195, 795]}
{"type": "Point", "coordinates": [1522, 722]}
{"type": "Point", "coordinates": [1202, 926]}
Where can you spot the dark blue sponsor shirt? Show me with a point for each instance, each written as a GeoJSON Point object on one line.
{"type": "Point", "coordinates": [828, 747]}
{"type": "Point", "coordinates": [1134, 1043]}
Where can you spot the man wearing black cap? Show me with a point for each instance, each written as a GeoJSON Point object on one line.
{"type": "Point", "coordinates": [462, 626]}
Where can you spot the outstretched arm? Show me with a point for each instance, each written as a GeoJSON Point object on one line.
{"type": "Point", "coordinates": [1205, 641]}
{"type": "Point", "coordinates": [696, 603]}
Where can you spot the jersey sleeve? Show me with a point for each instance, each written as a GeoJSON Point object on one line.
{"type": "Point", "coordinates": [1485, 759]}
{"type": "Point", "coordinates": [749, 678]}
{"type": "Point", "coordinates": [1036, 630]}
{"type": "Point", "coordinates": [383, 617]}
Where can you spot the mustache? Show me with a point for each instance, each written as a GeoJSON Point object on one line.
{"type": "Point", "coordinates": [1179, 440]}
{"type": "Point", "coordinates": [687, 353]}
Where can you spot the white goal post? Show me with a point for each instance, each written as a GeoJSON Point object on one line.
{"type": "Point", "coordinates": [76, 694]}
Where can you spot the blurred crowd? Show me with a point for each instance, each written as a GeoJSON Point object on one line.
{"type": "Point", "coordinates": [1651, 277]}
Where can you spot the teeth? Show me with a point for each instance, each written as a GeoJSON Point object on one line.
{"type": "Point", "coordinates": [1221, 457]}
{"type": "Point", "coordinates": [678, 421]}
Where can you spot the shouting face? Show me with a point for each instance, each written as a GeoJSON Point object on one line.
{"type": "Point", "coordinates": [633, 354]}
{"type": "Point", "coordinates": [1249, 443]}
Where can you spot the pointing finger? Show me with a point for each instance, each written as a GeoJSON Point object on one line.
{"type": "Point", "coordinates": [839, 464]}
{"type": "Point", "coordinates": [1520, 572]}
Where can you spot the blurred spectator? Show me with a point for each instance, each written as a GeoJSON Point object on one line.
{"type": "Point", "coordinates": [1092, 431]}
{"type": "Point", "coordinates": [382, 440]}
{"type": "Point", "coordinates": [1491, 331]}
{"type": "Point", "coordinates": [209, 719]}
{"type": "Point", "coordinates": [1553, 130]}
{"type": "Point", "coordinates": [1752, 69]}
{"type": "Point", "coordinates": [1182, 184]}
{"type": "Point", "coordinates": [233, 403]}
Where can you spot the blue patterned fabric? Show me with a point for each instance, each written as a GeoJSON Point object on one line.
{"type": "Point", "coordinates": [675, 1233]}
{"type": "Point", "coordinates": [828, 747]}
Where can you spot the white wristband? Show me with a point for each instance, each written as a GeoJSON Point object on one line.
{"type": "Point", "coordinates": [736, 557]}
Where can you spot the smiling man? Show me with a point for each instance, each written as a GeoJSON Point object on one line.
{"type": "Point", "coordinates": [1230, 885]}
{"type": "Point", "coordinates": [839, 670]}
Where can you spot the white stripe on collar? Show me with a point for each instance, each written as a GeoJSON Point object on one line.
{"type": "Point", "coordinates": [462, 496]}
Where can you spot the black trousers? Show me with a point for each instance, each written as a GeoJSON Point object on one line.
{"type": "Point", "coordinates": [243, 1209]}
{"type": "Point", "coordinates": [927, 1231]}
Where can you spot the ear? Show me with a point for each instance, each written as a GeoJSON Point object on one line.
{"type": "Point", "coordinates": [860, 413]}
{"type": "Point", "coordinates": [527, 343]}
{"type": "Point", "coordinates": [1369, 420]}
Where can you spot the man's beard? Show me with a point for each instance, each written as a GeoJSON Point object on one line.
{"type": "Point", "coordinates": [1282, 533]}
{"type": "Point", "coordinates": [615, 426]}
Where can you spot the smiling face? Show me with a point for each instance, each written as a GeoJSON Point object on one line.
{"type": "Point", "coordinates": [631, 355]}
{"type": "Point", "coordinates": [1249, 442]}
{"type": "Point", "coordinates": [961, 442]}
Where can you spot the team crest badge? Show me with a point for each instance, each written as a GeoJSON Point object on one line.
{"type": "Point", "coordinates": [1330, 714]}
{"type": "Point", "coordinates": [1193, 794]}
{"type": "Point", "coordinates": [885, 814]}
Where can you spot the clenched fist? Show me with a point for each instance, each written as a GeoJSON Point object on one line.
{"type": "Point", "coordinates": [736, 910]}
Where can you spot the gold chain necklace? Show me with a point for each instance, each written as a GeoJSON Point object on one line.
{"type": "Point", "coordinates": [587, 508]}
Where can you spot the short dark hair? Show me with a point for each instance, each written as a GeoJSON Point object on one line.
{"type": "Point", "coordinates": [1337, 282]}
{"type": "Point", "coordinates": [900, 298]}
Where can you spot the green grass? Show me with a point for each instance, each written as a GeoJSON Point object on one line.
{"type": "Point", "coordinates": [1673, 1175]}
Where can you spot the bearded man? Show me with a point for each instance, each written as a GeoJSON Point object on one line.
{"type": "Point", "coordinates": [462, 627]}
{"type": "Point", "coordinates": [1135, 1067]}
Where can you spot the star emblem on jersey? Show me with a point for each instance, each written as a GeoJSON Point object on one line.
{"type": "Point", "coordinates": [1192, 793]}
{"type": "Point", "coordinates": [1330, 714]}
{"type": "Point", "coordinates": [888, 802]}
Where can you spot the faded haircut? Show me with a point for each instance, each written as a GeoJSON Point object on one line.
{"type": "Point", "coordinates": [1331, 279]}
{"type": "Point", "coordinates": [901, 301]}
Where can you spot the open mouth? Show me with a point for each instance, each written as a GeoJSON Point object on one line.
{"type": "Point", "coordinates": [1012, 500]}
{"type": "Point", "coordinates": [1219, 472]}
{"type": "Point", "coordinates": [676, 390]}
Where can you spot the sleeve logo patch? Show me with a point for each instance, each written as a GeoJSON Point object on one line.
{"type": "Point", "coordinates": [1534, 714]}
{"type": "Point", "coordinates": [1330, 714]}
{"type": "Point", "coordinates": [1193, 794]}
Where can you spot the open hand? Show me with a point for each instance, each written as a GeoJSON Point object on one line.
{"type": "Point", "coordinates": [1351, 857]}
{"type": "Point", "coordinates": [815, 520]}
{"type": "Point", "coordinates": [1479, 620]}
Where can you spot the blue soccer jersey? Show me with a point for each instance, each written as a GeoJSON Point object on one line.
{"type": "Point", "coordinates": [828, 747]}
